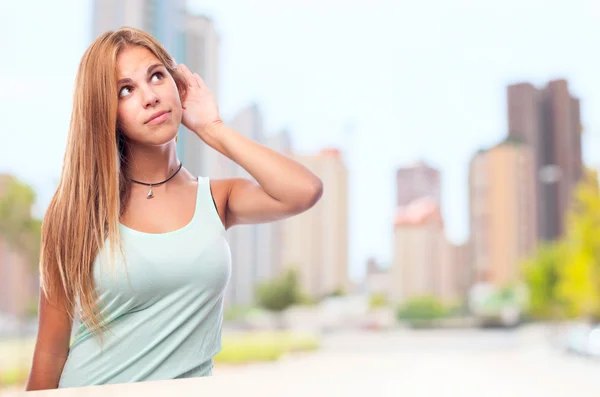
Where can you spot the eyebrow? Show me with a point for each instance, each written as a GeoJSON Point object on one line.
{"type": "Point", "coordinates": [150, 69]}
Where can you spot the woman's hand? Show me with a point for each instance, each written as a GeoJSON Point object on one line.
{"type": "Point", "coordinates": [200, 109]}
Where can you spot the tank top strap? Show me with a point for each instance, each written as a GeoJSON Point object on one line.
{"type": "Point", "coordinates": [206, 208]}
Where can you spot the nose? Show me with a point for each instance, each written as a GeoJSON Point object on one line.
{"type": "Point", "coordinates": [150, 99]}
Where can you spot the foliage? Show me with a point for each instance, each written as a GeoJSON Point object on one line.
{"type": "Point", "coordinates": [579, 278]}
{"type": "Point", "coordinates": [563, 277]}
{"type": "Point", "coordinates": [13, 377]}
{"type": "Point", "coordinates": [270, 346]}
{"type": "Point", "coordinates": [281, 293]}
{"type": "Point", "coordinates": [422, 308]}
{"type": "Point", "coordinates": [307, 300]}
{"type": "Point", "coordinates": [377, 300]}
{"type": "Point", "coordinates": [339, 291]}
{"type": "Point", "coordinates": [541, 273]}
{"type": "Point", "coordinates": [17, 226]}
{"type": "Point", "coordinates": [236, 312]}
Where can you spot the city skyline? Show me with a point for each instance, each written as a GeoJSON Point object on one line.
{"type": "Point", "coordinates": [405, 56]}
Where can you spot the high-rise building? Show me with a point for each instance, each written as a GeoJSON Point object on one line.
{"type": "Point", "coordinates": [190, 39]}
{"type": "Point", "coordinates": [419, 245]}
{"type": "Point", "coordinates": [202, 57]}
{"type": "Point", "coordinates": [163, 19]}
{"type": "Point", "coordinates": [502, 211]}
{"type": "Point", "coordinates": [273, 234]}
{"type": "Point", "coordinates": [454, 272]}
{"type": "Point", "coordinates": [250, 244]}
{"type": "Point", "coordinates": [417, 181]}
{"type": "Point", "coordinates": [316, 241]}
{"type": "Point", "coordinates": [429, 264]}
{"type": "Point", "coordinates": [461, 256]}
{"type": "Point", "coordinates": [548, 120]}
{"type": "Point", "coordinates": [377, 280]}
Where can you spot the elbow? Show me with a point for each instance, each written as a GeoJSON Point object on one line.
{"type": "Point", "coordinates": [313, 194]}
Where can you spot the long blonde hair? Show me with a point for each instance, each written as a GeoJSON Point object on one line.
{"type": "Point", "coordinates": [93, 189]}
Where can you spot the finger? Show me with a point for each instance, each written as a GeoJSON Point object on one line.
{"type": "Point", "coordinates": [187, 74]}
{"type": "Point", "coordinates": [199, 80]}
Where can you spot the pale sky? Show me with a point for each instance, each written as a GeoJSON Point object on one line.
{"type": "Point", "coordinates": [416, 80]}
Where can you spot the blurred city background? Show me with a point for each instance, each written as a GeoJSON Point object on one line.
{"type": "Point", "coordinates": [456, 247]}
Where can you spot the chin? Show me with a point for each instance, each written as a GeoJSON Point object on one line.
{"type": "Point", "coordinates": [159, 137]}
{"type": "Point", "coordinates": [162, 139]}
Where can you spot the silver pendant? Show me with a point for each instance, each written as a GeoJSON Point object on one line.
{"type": "Point", "coordinates": [150, 193]}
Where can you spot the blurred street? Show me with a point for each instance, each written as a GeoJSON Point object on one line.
{"type": "Point", "coordinates": [435, 362]}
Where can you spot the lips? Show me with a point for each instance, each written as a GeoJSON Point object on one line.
{"type": "Point", "coordinates": [158, 117]}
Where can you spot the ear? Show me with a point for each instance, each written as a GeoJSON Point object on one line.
{"type": "Point", "coordinates": [180, 83]}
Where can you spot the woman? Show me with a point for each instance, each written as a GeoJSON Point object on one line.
{"type": "Point", "coordinates": [135, 240]}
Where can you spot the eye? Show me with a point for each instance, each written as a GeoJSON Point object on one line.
{"type": "Point", "coordinates": [123, 93]}
{"type": "Point", "coordinates": [161, 76]}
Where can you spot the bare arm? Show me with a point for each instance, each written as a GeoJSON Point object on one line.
{"type": "Point", "coordinates": [283, 186]}
{"type": "Point", "coordinates": [52, 346]}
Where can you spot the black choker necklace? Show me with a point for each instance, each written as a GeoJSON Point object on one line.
{"type": "Point", "coordinates": [150, 193]}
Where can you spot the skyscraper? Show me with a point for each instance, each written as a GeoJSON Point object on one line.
{"type": "Point", "coordinates": [163, 19]}
{"type": "Point", "coordinates": [202, 57]}
{"type": "Point", "coordinates": [417, 181]}
{"type": "Point", "coordinates": [247, 242]}
{"type": "Point", "coordinates": [272, 233]}
{"type": "Point", "coordinates": [548, 120]}
{"type": "Point", "coordinates": [502, 211]}
{"type": "Point", "coordinates": [419, 244]}
{"type": "Point", "coordinates": [316, 241]}
{"type": "Point", "coordinates": [190, 39]}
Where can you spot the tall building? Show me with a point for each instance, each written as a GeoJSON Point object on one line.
{"type": "Point", "coordinates": [502, 211]}
{"type": "Point", "coordinates": [202, 57]}
{"type": "Point", "coordinates": [163, 19]}
{"type": "Point", "coordinates": [425, 262]}
{"type": "Point", "coordinates": [548, 120]}
{"type": "Point", "coordinates": [190, 39]}
{"type": "Point", "coordinates": [316, 241]}
{"type": "Point", "coordinates": [273, 234]}
{"type": "Point", "coordinates": [377, 279]}
{"type": "Point", "coordinates": [461, 256]}
{"type": "Point", "coordinates": [416, 181]}
{"type": "Point", "coordinates": [454, 272]}
{"type": "Point", "coordinates": [419, 245]}
{"type": "Point", "coordinates": [251, 245]}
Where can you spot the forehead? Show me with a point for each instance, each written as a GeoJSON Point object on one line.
{"type": "Point", "coordinates": [134, 60]}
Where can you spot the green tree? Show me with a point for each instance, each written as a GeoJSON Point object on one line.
{"type": "Point", "coordinates": [339, 291]}
{"type": "Point", "coordinates": [18, 228]}
{"type": "Point", "coordinates": [422, 308]}
{"type": "Point", "coordinates": [579, 280]}
{"type": "Point", "coordinates": [281, 293]}
{"type": "Point", "coordinates": [541, 273]}
{"type": "Point", "coordinates": [377, 300]}
{"type": "Point", "coordinates": [563, 277]}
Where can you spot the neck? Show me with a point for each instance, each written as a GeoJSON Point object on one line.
{"type": "Point", "coordinates": [152, 164]}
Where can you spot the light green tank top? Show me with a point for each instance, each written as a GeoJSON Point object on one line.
{"type": "Point", "coordinates": [164, 308]}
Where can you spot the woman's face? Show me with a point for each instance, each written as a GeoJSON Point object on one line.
{"type": "Point", "coordinates": [149, 110]}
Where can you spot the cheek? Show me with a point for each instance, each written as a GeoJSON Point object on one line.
{"type": "Point", "coordinates": [175, 100]}
{"type": "Point", "coordinates": [175, 97]}
{"type": "Point", "coordinates": [124, 119]}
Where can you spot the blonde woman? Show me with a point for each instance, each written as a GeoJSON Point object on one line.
{"type": "Point", "coordinates": [133, 239]}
